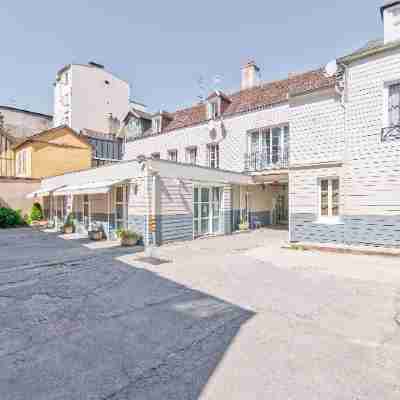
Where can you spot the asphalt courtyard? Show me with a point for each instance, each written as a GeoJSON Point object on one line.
{"type": "Point", "coordinates": [233, 317]}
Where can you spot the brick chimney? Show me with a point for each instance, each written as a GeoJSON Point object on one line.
{"type": "Point", "coordinates": [250, 75]}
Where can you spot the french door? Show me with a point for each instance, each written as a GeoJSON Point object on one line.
{"type": "Point", "coordinates": [207, 218]}
{"type": "Point", "coordinates": [121, 206]}
{"type": "Point", "coordinates": [86, 218]}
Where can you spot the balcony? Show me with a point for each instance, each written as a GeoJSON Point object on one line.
{"type": "Point", "coordinates": [390, 133]}
{"type": "Point", "coordinates": [262, 161]}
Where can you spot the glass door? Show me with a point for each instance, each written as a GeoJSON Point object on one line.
{"type": "Point", "coordinates": [121, 206]}
{"type": "Point", "coordinates": [86, 212]}
{"type": "Point", "coordinates": [206, 211]}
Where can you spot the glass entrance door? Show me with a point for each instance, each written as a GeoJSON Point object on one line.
{"type": "Point", "coordinates": [206, 211]}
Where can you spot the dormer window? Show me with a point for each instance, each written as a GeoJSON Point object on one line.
{"type": "Point", "coordinates": [214, 108]}
{"type": "Point", "coordinates": [157, 124]}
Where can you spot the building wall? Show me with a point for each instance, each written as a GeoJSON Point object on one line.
{"type": "Point", "coordinates": [90, 100]}
{"type": "Point", "coordinates": [13, 192]}
{"type": "Point", "coordinates": [369, 174]}
{"type": "Point", "coordinates": [22, 124]}
{"type": "Point", "coordinates": [232, 148]}
{"type": "Point", "coordinates": [316, 128]}
{"type": "Point", "coordinates": [49, 160]}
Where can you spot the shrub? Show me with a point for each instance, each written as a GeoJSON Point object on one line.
{"type": "Point", "coordinates": [70, 220]}
{"type": "Point", "coordinates": [36, 212]}
{"type": "Point", "coordinates": [10, 218]}
{"type": "Point", "coordinates": [127, 234]}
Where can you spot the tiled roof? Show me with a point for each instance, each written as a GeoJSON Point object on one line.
{"type": "Point", "coordinates": [37, 136]}
{"type": "Point", "coordinates": [265, 95]}
{"type": "Point", "coordinates": [309, 81]}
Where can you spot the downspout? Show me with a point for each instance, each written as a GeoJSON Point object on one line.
{"type": "Point", "coordinates": [154, 206]}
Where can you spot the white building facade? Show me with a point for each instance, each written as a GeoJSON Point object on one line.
{"type": "Point", "coordinates": [90, 97]}
{"type": "Point", "coordinates": [318, 152]}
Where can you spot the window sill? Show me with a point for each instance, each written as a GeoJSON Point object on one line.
{"type": "Point", "coordinates": [329, 221]}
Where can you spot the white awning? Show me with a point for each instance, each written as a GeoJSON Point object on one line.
{"type": "Point", "coordinates": [100, 187]}
{"type": "Point", "coordinates": [42, 192]}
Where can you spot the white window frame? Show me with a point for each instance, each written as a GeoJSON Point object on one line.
{"type": "Point", "coordinates": [173, 155]}
{"type": "Point", "coordinates": [213, 148]}
{"type": "Point", "coordinates": [157, 124]}
{"type": "Point", "coordinates": [214, 108]}
{"type": "Point", "coordinates": [330, 218]}
{"type": "Point", "coordinates": [386, 91]}
{"type": "Point", "coordinates": [189, 152]}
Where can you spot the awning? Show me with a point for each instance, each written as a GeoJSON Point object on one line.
{"type": "Point", "coordinates": [100, 187]}
{"type": "Point", "coordinates": [42, 192]}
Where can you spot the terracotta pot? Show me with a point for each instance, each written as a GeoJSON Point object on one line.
{"type": "Point", "coordinates": [128, 242]}
{"type": "Point", "coordinates": [96, 235]}
{"type": "Point", "coordinates": [68, 229]}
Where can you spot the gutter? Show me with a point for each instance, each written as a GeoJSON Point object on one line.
{"type": "Point", "coordinates": [368, 53]}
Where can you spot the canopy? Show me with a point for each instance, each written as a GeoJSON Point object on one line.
{"type": "Point", "coordinates": [43, 192]}
{"type": "Point", "coordinates": [99, 187]}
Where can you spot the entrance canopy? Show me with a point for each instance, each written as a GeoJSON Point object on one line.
{"type": "Point", "coordinates": [99, 187]}
{"type": "Point", "coordinates": [42, 192]}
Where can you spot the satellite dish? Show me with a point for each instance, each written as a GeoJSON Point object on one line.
{"type": "Point", "coordinates": [331, 68]}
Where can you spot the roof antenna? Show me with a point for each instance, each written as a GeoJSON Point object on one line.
{"type": "Point", "coordinates": [202, 89]}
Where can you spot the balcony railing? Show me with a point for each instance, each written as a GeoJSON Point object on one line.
{"type": "Point", "coordinates": [262, 161]}
{"type": "Point", "coordinates": [7, 167]}
{"type": "Point", "coordinates": [390, 133]}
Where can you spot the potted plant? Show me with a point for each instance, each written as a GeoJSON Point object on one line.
{"type": "Point", "coordinates": [127, 237]}
{"type": "Point", "coordinates": [69, 225]}
{"type": "Point", "coordinates": [96, 232]}
{"type": "Point", "coordinates": [244, 225]}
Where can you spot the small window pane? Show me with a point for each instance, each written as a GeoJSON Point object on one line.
{"type": "Point", "coordinates": [205, 195]}
{"type": "Point", "coordinates": [335, 197]}
{"type": "Point", "coordinates": [324, 198]}
{"type": "Point", "coordinates": [196, 195]}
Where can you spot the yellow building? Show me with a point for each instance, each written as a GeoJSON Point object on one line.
{"type": "Point", "coordinates": [52, 152]}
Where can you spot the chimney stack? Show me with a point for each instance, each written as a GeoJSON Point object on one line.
{"type": "Point", "coordinates": [250, 75]}
{"type": "Point", "coordinates": [390, 12]}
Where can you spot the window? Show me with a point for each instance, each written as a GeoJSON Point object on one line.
{"type": "Point", "coordinates": [191, 155]}
{"type": "Point", "coordinates": [268, 148]}
{"type": "Point", "coordinates": [156, 156]}
{"type": "Point", "coordinates": [173, 155]}
{"type": "Point", "coordinates": [213, 155]}
{"type": "Point", "coordinates": [214, 109]}
{"type": "Point", "coordinates": [22, 162]}
{"type": "Point", "coordinates": [157, 125]}
{"type": "Point", "coordinates": [329, 197]}
{"type": "Point", "coordinates": [394, 105]}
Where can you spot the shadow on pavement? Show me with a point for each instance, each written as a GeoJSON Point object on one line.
{"type": "Point", "coordinates": [92, 327]}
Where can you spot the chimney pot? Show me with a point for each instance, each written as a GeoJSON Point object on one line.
{"type": "Point", "coordinates": [250, 75]}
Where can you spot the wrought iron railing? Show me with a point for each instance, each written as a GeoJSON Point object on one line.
{"type": "Point", "coordinates": [7, 167]}
{"type": "Point", "coordinates": [390, 133]}
{"type": "Point", "coordinates": [262, 161]}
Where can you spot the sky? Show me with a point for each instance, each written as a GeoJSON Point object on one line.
{"type": "Point", "coordinates": [163, 48]}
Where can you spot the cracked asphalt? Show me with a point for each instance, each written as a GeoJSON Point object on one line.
{"type": "Point", "coordinates": [229, 318]}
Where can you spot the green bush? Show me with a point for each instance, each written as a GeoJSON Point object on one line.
{"type": "Point", "coordinates": [36, 212]}
{"type": "Point", "coordinates": [10, 218]}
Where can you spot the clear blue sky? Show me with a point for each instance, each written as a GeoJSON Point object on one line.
{"type": "Point", "coordinates": [163, 47]}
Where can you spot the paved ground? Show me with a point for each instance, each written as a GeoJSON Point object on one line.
{"type": "Point", "coordinates": [229, 318]}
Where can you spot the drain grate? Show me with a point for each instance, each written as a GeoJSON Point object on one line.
{"type": "Point", "coordinates": [153, 260]}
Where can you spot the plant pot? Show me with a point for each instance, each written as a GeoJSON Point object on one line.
{"type": "Point", "coordinates": [128, 242]}
{"type": "Point", "coordinates": [68, 229]}
{"type": "Point", "coordinates": [244, 227]}
{"type": "Point", "coordinates": [95, 235]}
